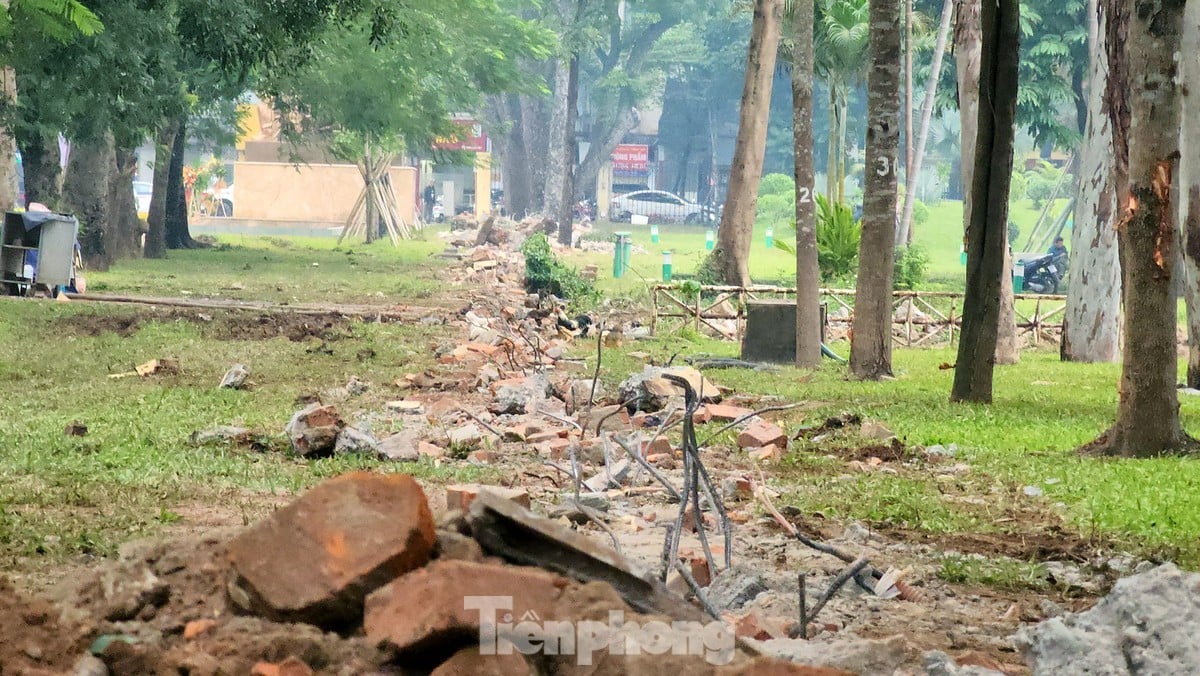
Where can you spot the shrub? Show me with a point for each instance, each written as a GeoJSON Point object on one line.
{"type": "Point", "coordinates": [838, 234]}
{"type": "Point", "coordinates": [920, 215]}
{"type": "Point", "coordinates": [1018, 189]}
{"type": "Point", "coordinates": [776, 209]}
{"type": "Point", "coordinates": [777, 184]}
{"type": "Point", "coordinates": [912, 264]}
{"type": "Point", "coordinates": [545, 273]}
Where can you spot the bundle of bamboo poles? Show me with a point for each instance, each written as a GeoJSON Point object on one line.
{"type": "Point", "coordinates": [377, 202]}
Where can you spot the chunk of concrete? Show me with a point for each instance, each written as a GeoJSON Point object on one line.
{"type": "Point", "coordinates": [316, 560]}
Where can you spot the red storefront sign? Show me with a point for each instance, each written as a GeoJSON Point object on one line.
{"type": "Point", "coordinates": [470, 138]}
{"type": "Point", "coordinates": [629, 157]}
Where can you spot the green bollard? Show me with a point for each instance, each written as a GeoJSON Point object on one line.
{"type": "Point", "coordinates": [1018, 277]}
{"type": "Point", "coordinates": [621, 252]}
{"type": "Point", "coordinates": [654, 234]}
{"type": "Point", "coordinates": [770, 238]}
{"type": "Point", "coordinates": [710, 240]}
{"type": "Point", "coordinates": [666, 277]}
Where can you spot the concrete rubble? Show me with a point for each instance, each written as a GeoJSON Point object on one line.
{"type": "Point", "coordinates": [364, 575]}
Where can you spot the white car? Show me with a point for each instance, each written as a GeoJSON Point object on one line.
{"type": "Point", "coordinates": [659, 206]}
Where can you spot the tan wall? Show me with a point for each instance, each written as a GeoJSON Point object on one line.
{"type": "Point", "coordinates": [313, 193]}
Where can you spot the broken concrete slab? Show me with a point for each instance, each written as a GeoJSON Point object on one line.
{"type": "Point", "coordinates": [735, 587]}
{"type": "Point", "coordinates": [431, 613]}
{"type": "Point", "coordinates": [404, 446]}
{"type": "Point", "coordinates": [725, 413]}
{"type": "Point", "coordinates": [313, 431]}
{"type": "Point", "coordinates": [353, 441]}
{"type": "Point", "coordinates": [653, 391]}
{"type": "Point", "coordinates": [761, 433]}
{"type": "Point", "coordinates": [472, 662]}
{"type": "Point", "coordinates": [222, 434]}
{"type": "Point", "coordinates": [235, 377]}
{"type": "Point", "coordinates": [519, 395]}
{"type": "Point", "coordinates": [517, 535]}
{"type": "Point", "coordinates": [614, 476]}
{"type": "Point", "coordinates": [867, 657]}
{"type": "Point", "coordinates": [406, 407]}
{"type": "Point", "coordinates": [460, 496]}
{"type": "Point", "coordinates": [466, 436]}
{"type": "Point", "coordinates": [316, 560]}
{"type": "Point", "coordinates": [1147, 624]}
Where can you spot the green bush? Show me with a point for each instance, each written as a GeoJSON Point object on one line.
{"type": "Point", "coordinates": [776, 209]}
{"type": "Point", "coordinates": [544, 272]}
{"type": "Point", "coordinates": [912, 264]}
{"type": "Point", "coordinates": [838, 234]}
{"type": "Point", "coordinates": [920, 215]}
{"type": "Point", "coordinates": [1018, 188]}
{"type": "Point", "coordinates": [777, 184]}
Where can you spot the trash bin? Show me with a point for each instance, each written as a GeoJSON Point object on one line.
{"type": "Point", "coordinates": [1018, 276]}
{"type": "Point", "coordinates": [621, 253]}
{"type": "Point", "coordinates": [666, 276]}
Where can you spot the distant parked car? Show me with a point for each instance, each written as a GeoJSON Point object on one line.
{"type": "Point", "coordinates": [142, 190]}
{"type": "Point", "coordinates": [659, 206]}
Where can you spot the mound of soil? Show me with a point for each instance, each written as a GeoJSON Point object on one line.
{"type": "Point", "coordinates": [32, 639]}
{"type": "Point", "coordinates": [223, 325]}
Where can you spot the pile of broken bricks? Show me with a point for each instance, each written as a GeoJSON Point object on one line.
{"type": "Point", "coordinates": [492, 589]}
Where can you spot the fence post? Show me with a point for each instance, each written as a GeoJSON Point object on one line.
{"type": "Point", "coordinates": [654, 317]}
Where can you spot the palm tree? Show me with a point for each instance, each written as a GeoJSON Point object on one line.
{"type": "Point", "coordinates": [841, 35]}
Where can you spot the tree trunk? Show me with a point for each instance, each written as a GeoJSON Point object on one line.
{"type": "Point", "coordinates": [1008, 348]}
{"type": "Point", "coordinates": [808, 281]}
{"type": "Point", "coordinates": [1189, 189]}
{"type": "Point", "coordinates": [156, 235]}
{"type": "Point", "coordinates": [731, 257]}
{"type": "Point", "coordinates": [9, 194]}
{"type": "Point", "coordinates": [908, 93]}
{"type": "Point", "coordinates": [86, 193]}
{"type": "Point", "coordinates": [1000, 37]}
{"type": "Point", "coordinates": [871, 339]}
{"type": "Point", "coordinates": [535, 134]}
{"type": "Point", "coordinates": [1146, 136]}
{"type": "Point", "coordinates": [1092, 330]}
{"type": "Point", "coordinates": [603, 144]}
{"type": "Point", "coordinates": [43, 174]}
{"type": "Point", "coordinates": [556, 157]}
{"type": "Point", "coordinates": [518, 186]}
{"type": "Point", "coordinates": [176, 221]}
{"type": "Point", "coordinates": [967, 52]}
{"type": "Point", "coordinates": [910, 194]}
{"type": "Point", "coordinates": [124, 223]}
{"type": "Point", "coordinates": [566, 197]}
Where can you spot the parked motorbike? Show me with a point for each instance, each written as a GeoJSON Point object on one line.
{"type": "Point", "coordinates": [1045, 274]}
{"type": "Point", "coordinates": [584, 212]}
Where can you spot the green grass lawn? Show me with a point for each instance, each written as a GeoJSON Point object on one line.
{"type": "Point", "coordinates": [940, 236]}
{"type": "Point", "coordinates": [1044, 409]}
{"type": "Point", "coordinates": [135, 473]}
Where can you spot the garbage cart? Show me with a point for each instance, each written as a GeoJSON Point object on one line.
{"type": "Point", "coordinates": [37, 248]}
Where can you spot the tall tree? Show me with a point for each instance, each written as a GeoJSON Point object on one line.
{"type": "Point", "coordinates": [871, 340]}
{"type": "Point", "coordinates": [903, 233]}
{"type": "Point", "coordinates": [1092, 326]}
{"type": "Point", "coordinates": [1146, 136]}
{"type": "Point", "coordinates": [59, 20]}
{"type": "Point", "coordinates": [842, 33]}
{"type": "Point", "coordinates": [560, 163]}
{"type": "Point", "coordinates": [1000, 39]}
{"type": "Point", "coordinates": [967, 47]}
{"type": "Point", "coordinates": [808, 275]}
{"type": "Point", "coordinates": [367, 94]}
{"type": "Point", "coordinates": [730, 258]}
{"type": "Point", "coordinates": [1189, 188]}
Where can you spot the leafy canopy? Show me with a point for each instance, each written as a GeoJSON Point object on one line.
{"type": "Point", "coordinates": [396, 83]}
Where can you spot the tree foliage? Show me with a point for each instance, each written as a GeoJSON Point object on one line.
{"type": "Point", "coordinates": [362, 84]}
